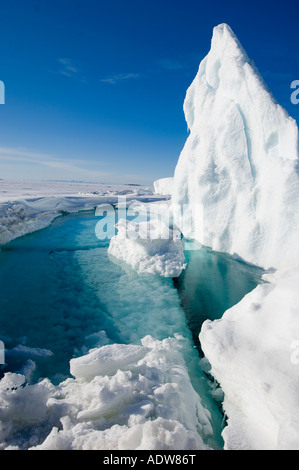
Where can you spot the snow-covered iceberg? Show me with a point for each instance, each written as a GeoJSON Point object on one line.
{"type": "Point", "coordinates": [240, 162]}
{"type": "Point", "coordinates": [149, 247]}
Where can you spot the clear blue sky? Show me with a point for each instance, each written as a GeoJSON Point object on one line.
{"type": "Point", "coordinates": [95, 89]}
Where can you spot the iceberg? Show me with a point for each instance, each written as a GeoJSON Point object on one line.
{"type": "Point", "coordinates": [240, 162]}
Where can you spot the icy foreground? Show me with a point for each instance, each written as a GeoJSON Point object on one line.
{"type": "Point", "coordinates": [121, 397]}
{"type": "Point", "coordinates": [240, 163]}
{"type": "Point", "coordinates": [149, 247]}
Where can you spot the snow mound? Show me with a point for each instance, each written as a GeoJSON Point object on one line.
{"type": "Point", "coordinates": [240, 160]}
{"type": "Point", "coordinates": [149, 395]}
{"type": "Point", "coordinates": [163, 186]}
{"type": "Point", "coordinates": [149, 247]}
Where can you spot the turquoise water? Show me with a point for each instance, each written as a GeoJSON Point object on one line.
{"type": "Point", "coordinates": [59, 290]}
{"type": "Point", "coordinates": [211, 284]}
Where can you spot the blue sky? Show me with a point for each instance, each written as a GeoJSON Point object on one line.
{"type": "Point", "coordinates": [95, 89]}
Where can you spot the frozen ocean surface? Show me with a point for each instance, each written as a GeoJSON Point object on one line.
{"type": "Point", "coordinates": [62, 294]}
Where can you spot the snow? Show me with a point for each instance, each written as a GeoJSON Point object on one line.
{"type": "Point", "coordinates": [106, 360]}
{"type": "Point", "coordinates": [150, 247]}
{"type": "Point", "coordinates": [240, 162]}
{"type": "Point", "coordinates": [26, 206]}
{"type": "Point", "coordinates": [147, 402]}
{"type": "Point", "coordinates": [252, 350]}
{"type": "Point", "coordinates": [163, 186]}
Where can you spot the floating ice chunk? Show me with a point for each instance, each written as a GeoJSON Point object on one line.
{"type": "Point", "coordinates": [149, 247]}
{"type": "Point", "coordinates": [21, 350]}
{"type": "Point", "coordinates": [106, 360]}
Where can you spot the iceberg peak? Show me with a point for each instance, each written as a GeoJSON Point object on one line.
{"type": "Point", "coordinates": [225, 42]}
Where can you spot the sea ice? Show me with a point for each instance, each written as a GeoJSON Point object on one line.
{"type": "Point", "coordinates": [163, 186]}
{"type": "Point", "coordinates": [26, 206]}
{"type": "Point", "coordinates": [150, 247]}
{"type": "Point", "coordinates": [147, 402]}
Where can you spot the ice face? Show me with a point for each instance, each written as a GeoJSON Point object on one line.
{"type": "Point", "coordinates": [241, 163]}
{"type": "Point", "coordinates": [253, 350]}
{"type": "Point", "coordinates": [240, 159]}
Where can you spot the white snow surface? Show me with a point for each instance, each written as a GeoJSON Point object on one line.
{"type": "Point", "coordinates": [149, 247]}
{"type": "Point", "coordinates": [26, 206]}
{"type": "Point", "coordinates": [123, 397]}
{"type": "Point", "coordinates": [254, 351]}
{"type": "Point", "coordinates": [240, 162]}
{"type": "Point", "coordinates": [163, 186]}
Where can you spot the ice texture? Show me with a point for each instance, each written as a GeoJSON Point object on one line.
{"type": "Point", "coordinates": [163, 186]}
{"type": "Point", "coordinates": [240, 160]}
{"type": "Point", "coordinates": [147, 402]}
{"type": "Point", "coordinates": [254, 351]}
{"type": "Point", "coordinates": [150, 247]}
